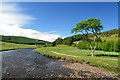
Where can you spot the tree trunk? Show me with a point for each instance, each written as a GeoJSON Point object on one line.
{"type": "Point", "coordinates": [93, 52]}
{"type": "Point", "coordinates": [93, 49]}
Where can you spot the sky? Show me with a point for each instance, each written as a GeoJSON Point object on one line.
{"type": "Point", "coordinates": [50, 20]}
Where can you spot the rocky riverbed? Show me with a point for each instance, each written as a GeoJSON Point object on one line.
{"type": "Point", "coordinates": [25, 63]}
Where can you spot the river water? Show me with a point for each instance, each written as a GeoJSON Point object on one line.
{"type": "Point", "coordinates": [25, 63]}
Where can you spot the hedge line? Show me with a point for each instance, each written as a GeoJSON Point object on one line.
{"type": "Point", "coordinates": [105, 46]}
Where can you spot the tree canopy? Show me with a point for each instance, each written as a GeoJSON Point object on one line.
{"type": "Point", "coordinates": [91, 25]}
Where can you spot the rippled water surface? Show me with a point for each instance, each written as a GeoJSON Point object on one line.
{"type": "Point", "coordinates": [25, 63]}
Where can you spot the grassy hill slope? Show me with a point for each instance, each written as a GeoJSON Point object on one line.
{"type": "Point", "coordinates": [22, 40]}
{"type": "Point", "coordinates": [106, 35]}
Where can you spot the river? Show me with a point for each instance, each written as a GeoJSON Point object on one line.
{"type": "Point", "coordinates": [25, 63]}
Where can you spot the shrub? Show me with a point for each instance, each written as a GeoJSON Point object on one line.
{"type": "Point", "coordinates": [53, 44]}
{"type": "Point", "coordinates": [80, 45]}
{"type": "Point", "coordinates": [117, 46]}
{"type": "Point", "coordinates": [99, 47]}
{"type": "Point", "coordinates": [74, 45]}
{"type": "Point", "coordinates": [83, 45]}
{"type": "Point", "coordinates": [106, 46]}
{"type": "Point", "coordinates": [111, 46]}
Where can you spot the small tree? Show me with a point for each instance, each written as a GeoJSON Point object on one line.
{"type": "Point", "coordinates": [58, 41]}
{"type": "Point", "coordinates": [117, 46]}
{"type": "Point", "coordinates": [91, 25]}
{"type": "Point", "coordinates": [53, 44]}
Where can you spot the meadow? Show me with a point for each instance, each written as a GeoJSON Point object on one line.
{"type": "Point", "coordinates": [108, 62]}
{"type": "Point", "coordinates": [11, 46]}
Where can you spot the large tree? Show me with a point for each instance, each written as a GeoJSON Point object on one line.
{"type": "Point", "coordinates": [86, 27]}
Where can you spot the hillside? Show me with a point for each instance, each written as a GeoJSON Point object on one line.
{"type": "Point", "coordinates": [110, 35]}
{"type": "Point", "coordinates": [106, 35]}
{"type": "Point", "coordinates": [21, 40]}
{"type": "Point", "coordinates": [112, 31]}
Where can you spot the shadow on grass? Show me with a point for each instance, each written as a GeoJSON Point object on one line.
{"type": "Point", "coordinates": [105, 55]}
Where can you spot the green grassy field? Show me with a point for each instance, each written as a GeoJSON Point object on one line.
{"type": "Point", "coordinates": [73, 54]}
{"type": "Point", "coordinates": [9, 46]}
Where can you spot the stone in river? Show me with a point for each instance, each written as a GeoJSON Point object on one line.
{"type": "Point", "coordinates": [28, 70]}
{"type": "Point", "coordinates": [37, 65]}
{"type": "Point", "coordinates": [29, 73]}
{"type": "Point", "coordinates": [33, 69]}
{"type": "Point", "coordinates": [24, 67]}
{"type": "Point", "coordinates": [8, 74]}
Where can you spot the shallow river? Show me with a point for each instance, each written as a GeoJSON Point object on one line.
{"type": "Point", "coordinates": [25, 63]}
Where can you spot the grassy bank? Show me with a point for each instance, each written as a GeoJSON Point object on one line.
{"type": "Point", "coordinates": [10, 46]}
{"type": "Point", "coordinates": [73, 54]}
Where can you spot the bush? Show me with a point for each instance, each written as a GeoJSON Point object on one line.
{"type": "Point", "coordinates": [99, 47]}
{"type": "Point", "coordinates": [83, 45]}
{"type": "Point", "coordinates": [53, 44]}
{"type": "Point", "coordinates": [47, 45]}
{"type": "Point", "coordinates": [106, 46]}
{"type": "Point", "coordinates": [117, 46]}
{"type": "Point", "coordinates": [80, 45]}
{"type": "Point", "coordinates": [111, 46]}
{"type": "Point", "coordinates": [74, 45]}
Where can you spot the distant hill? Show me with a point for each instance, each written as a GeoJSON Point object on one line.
{"type": "Point", "coordinates": [106, 35]}
{"type": "Point", "coordinates": [21, 40]}
{"type": "Point", "coordinates": [113, 31]}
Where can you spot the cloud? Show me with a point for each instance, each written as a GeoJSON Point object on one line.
{"type": "Point", "coordinates": [11, 14]}
{"type": "Point", "coordinates": [12, 21]}
{"type": "Point", "coordinates": [52, 32]}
